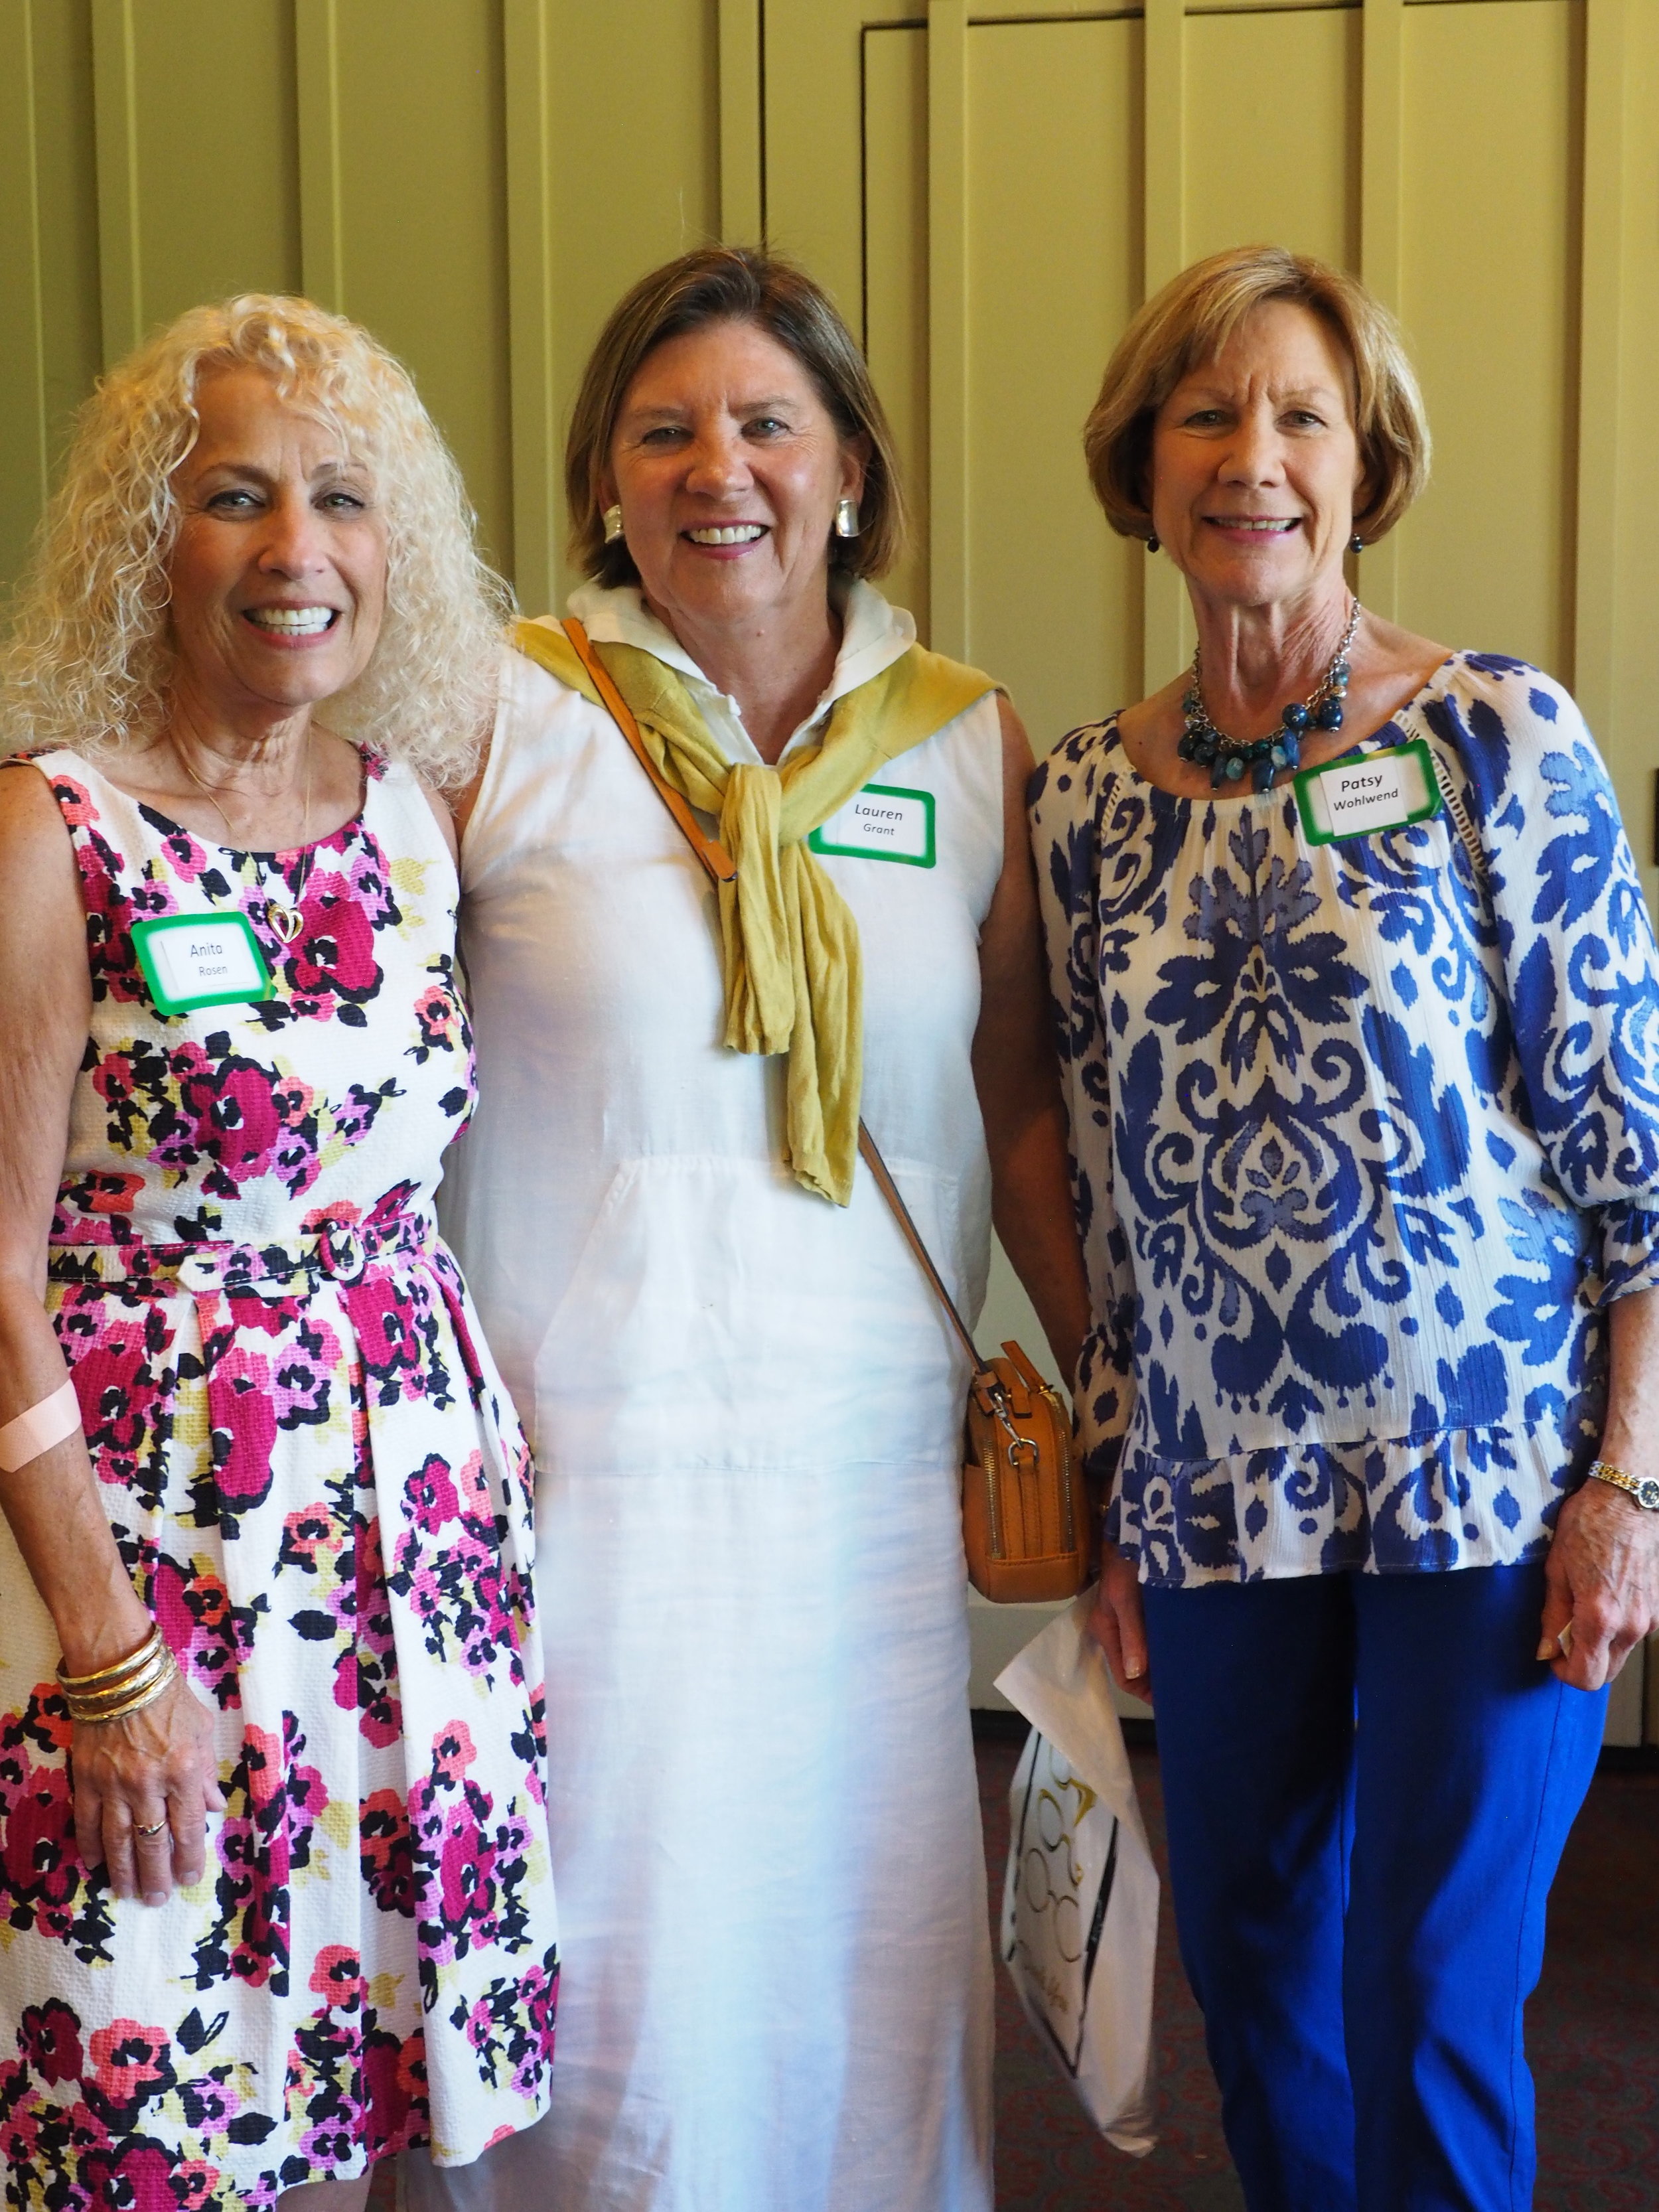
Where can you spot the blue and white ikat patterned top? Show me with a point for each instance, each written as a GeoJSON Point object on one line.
{"type": "Point", "coordinates": [1363, 1145]}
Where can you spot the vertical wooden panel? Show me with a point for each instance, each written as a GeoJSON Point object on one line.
{"type": "Point", "coordinates": [423, 197]}
{"type": "Point", "coordinates": [536, 510]}
{"type": "Point", "coordinates": [947, 325]}
{"type": "Point", "coordinates": [22, 331]}
{"type": "Point", "coordinates": [1599, 334]}
{"type": "Point", "coordinates": [895, 276]}
{"type": "Point", "coordinates": [814, 61]}
{"type": "Point", "coordinates": [1490, 299]}
{"type": "Point", "coordinates": [1055, 109]}
{"type": "Point", "coordinates": [635, 104]}
{"type": "Point", "coordinates": [1630, 739]}
{"type": "Point", "coordinates": [65, 180]}
{"type": "Point", "coordinates": [322, 214]}
{"type": "Point", "coordinates": [743, 205]}
{"type": "Point", "coordinates": [1166, 620]}
{"type": "Point", "coordinates": [1244, 74]}
{"type": "Point", "coordinates": [217, 157]}
{"type": "Point", "coordinates": [116, 92]}
{"type": "Point", "coordinates": [1382, 174]}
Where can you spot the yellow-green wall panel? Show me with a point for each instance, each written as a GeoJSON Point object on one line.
{"type": "Point", "coordinates": [422, 167]}
{"type": "Point", "coordinates": [1053, 126]}
{"type": "Point", "coordinates": [815, 58]}
{"type": "Point", "coordinates": [1272, 132]}
{"type": "Point", "coordinates": [636, 158]}
{"type": "Point", "coordinates": [1490, 304]}
{"type": "Point", "coordinates": [49, 303]}
{"type": "Point", "coordinates": [23, 411]}
{"type": "Point", "coordinates": [217, 151]}
{"type": "Point", "coordinates": [1631, 743]}
{"type": "Point", "coordinates": [894, 290]}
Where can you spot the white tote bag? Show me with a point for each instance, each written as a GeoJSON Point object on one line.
{"type": "Point", "coordinates": [1079, 1902]}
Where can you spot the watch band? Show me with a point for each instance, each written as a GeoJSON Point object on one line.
{"type": "Point", "coordinates": [1643, 1488]}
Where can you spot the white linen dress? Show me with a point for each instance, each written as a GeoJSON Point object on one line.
{"type": "Point", "coordinates": [745, 1409]}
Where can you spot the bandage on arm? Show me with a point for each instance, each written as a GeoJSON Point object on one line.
{"type": "Point", "coordinates": [37, 1428]}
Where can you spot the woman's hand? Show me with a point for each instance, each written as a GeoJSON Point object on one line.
{"type": "Point", "coordinates": [1601, 1579]}
{"type": "Point", "coordinates": [128, 1774]}
{"type": "Point", "coordinates": [1118, 1624]}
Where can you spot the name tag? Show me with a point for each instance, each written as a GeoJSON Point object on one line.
{"type": "Point", "coordinates": [200, 960]}
{"type": "Point", "coordinates": [883, 821]}
{"type": "Point", "coordinates": [1358, 798]}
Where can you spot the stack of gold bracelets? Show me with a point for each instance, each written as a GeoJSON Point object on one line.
{"type": "Point", "coordinates": [115, 1693]}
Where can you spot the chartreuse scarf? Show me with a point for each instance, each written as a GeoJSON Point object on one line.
{"type": "Point", "coordinates": [789, 945]}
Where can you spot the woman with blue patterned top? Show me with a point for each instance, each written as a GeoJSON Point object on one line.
{"type": "Point", "coordinates": [1359, 1005]}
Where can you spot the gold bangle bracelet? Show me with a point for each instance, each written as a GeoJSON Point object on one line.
{"type": "Point", "coordinates": [93, 1717]}
{"type": "Point", "coordinates": [153, 1660]}
{"type": "Point", "coordinates": [104, 1700]}
{"type": "Point", "coordinates": [109, 1677]}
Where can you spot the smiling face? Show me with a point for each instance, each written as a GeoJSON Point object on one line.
{"type": "Point", "coordinates": [1256, 462]}
{"type": "Point", "coordinates": [727, 465]}
{"type": "Point", "coordinates": [278, 571]}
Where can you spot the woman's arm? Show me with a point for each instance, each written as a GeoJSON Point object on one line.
{"type": "Point", "coordinates": [1602, 1573]}
{"type": "Point", "coordinates": [159, 1764]}
{"type": "Point", "coordinates": [1019, 1097]}
{"type": "Point", "coordinates": [1018, 1083]}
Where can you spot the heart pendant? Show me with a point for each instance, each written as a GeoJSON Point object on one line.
{"type": "Point", "coordinates": [286, 922]}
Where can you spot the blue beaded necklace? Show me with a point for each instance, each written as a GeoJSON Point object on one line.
{"type": "Point", "coordinates": [1227, 758]}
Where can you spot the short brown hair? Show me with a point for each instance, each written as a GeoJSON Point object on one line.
{"type": "Point", "coordinates": [731, 284]}
{"type": "Point", "coordinates": [1189, 322]}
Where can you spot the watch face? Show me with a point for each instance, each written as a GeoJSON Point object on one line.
{"type": "Point", "coordinates": [1647, 1493]}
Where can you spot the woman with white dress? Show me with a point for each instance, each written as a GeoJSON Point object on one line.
{"type": "Point", "coordinates": [744, 1401]}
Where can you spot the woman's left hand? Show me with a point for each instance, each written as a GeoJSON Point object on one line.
{"type": "Point", "coordinates": [1602, 1578]}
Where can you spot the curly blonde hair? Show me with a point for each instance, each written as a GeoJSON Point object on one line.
{"type": "Point", "coordinates": [90, 658]}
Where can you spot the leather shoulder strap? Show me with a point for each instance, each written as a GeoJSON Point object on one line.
{"type": "Point", "coordinates": [890, 1190]}
{"type": "Point", "coordinates": [715, 858]}
{"type": "Point", "coordinates": [712, 854]}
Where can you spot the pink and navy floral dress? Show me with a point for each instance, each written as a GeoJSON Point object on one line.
{"type": "Point", "coordinates": [313, 1473]}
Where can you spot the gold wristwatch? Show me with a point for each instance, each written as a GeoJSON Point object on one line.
{"type": "Point", "coordinates": [1642, 1488]}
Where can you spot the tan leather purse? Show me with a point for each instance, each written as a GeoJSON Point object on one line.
{"type": "Point", "coordinates": [1026, 1524]}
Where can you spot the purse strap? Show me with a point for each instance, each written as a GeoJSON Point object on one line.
{"type": "Point", "coordinates": [720, 864]}
{"type": "Point", "coordinates": [712, 853]}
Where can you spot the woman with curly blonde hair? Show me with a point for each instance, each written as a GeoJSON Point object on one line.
{"type": "Point", "coordinates": [273, 1863]}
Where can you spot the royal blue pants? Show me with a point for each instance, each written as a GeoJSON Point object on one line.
{"type": "Point", "coordinates": [1368, 1782]}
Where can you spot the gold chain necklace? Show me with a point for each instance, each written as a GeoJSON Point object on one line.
{"type": "Point", "coordinates": [284, 916]}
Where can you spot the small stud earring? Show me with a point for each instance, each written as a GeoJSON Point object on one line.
{"type": "Point", "coordinates": [1356, 544]}
{"type": "Point", "coordinates": [846, 518]}
{"type": "Point", "coordinates": [1154, 544]}
{"type": "Point", "coordinates": [613, 524]}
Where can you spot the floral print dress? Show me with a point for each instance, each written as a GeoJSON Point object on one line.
{"type": "Point", "coordinates": [313, 1473]}
{"type": "Point", "coordinates": [1365, 1140]}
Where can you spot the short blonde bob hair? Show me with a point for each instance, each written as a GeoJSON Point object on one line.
{"type": "Point", "coordinates": [90, 658]}
{"type": "Point", "coordinates": [731, 284]}
{"type": "Point", "coordinates": [1189, 322]}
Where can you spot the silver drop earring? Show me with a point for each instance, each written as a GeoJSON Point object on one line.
{"type": "Point", "coordinates": [846, 518]}
{"type": "Point", "coordinates": [613, 524]}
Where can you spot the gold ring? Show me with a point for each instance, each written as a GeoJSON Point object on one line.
{"type": "Point", "coordinates": [154, 1830]}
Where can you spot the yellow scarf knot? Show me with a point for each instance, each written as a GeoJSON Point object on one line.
{"type": "Point", "coordinates": [789, 945]}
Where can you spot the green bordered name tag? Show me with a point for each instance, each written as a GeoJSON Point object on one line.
{"type": "Point", "coordinates": [194, 960]}
{"type": "Point", "coordinates": [1371, 792]}
{"type": "Point", "coordinates": [883, 821]}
